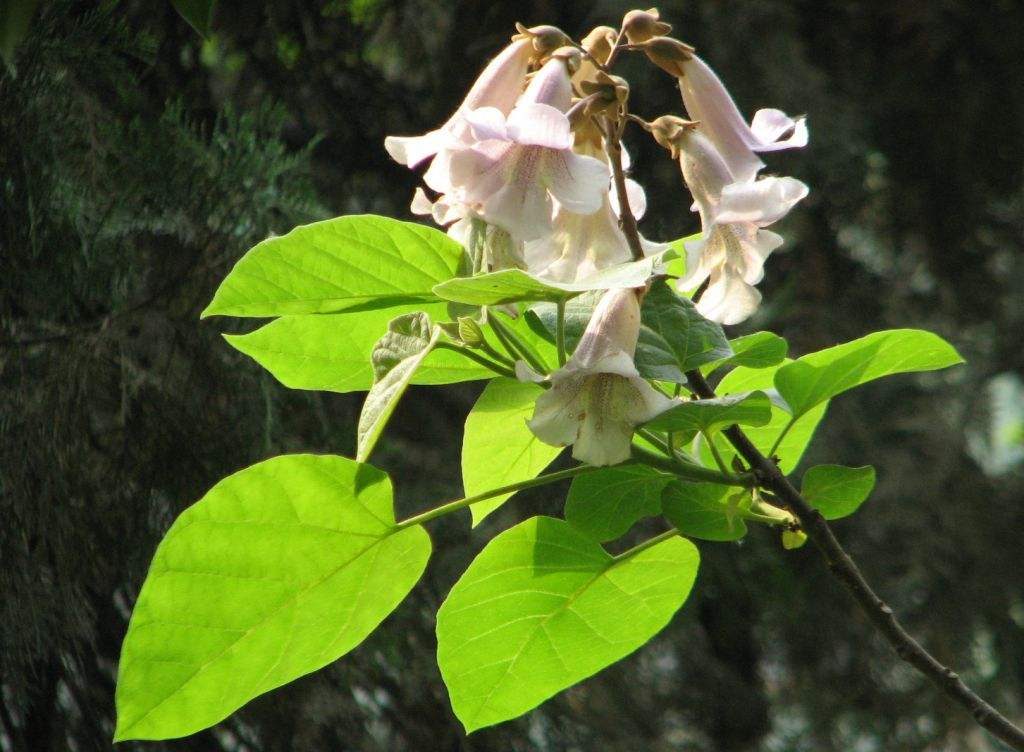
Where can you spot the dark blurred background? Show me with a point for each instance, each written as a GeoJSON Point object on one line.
{"type": "Point", "coordinates": [139, 160]}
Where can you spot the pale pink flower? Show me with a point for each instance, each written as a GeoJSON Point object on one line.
{"type": "Point", "coordinates": [708, 101]}
{"type": "Point", "coordinates": [597, 399]}
{"type": "Point", "coordinates": [522, 162]}
{"type": "Point", "coordinates": [498, 86]}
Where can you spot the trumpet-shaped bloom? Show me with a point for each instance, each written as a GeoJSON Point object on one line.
{"type": "Point", "coordinates": [523, 161]}
{"type": "Point", "coordinates": [582, 244]}
{"type": "Point", "coordinates": [598, 398]}
{"type": "Point", "coordinates": [733, 247]}
{"type": "Point", "coordinates": [498, 86]}
{"type": "Point", "coordinates": [708, 101]}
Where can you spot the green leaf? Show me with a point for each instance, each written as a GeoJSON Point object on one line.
{"type": "Point", "coordinates": [757, 350]}
{"type": "Point", "coordinates": [837, 491]}
{"type": "Point", "coordinates": [676, 267]}
{"type": "Point", "coordinates": [398, 354]}
{"type": "Point", "coordinates": [332, 351]}
{"type": "Point", "coordinates": [543, 607]}
{"type": "Point", "coordinates": [277, 571]}
{"type": "Point", "coordinates": [817, 377]}
{"type": "Point", "coordinates": [514, 285]}
{"type": "Point", "coordinates": [604, 504]}
{"type": "Point", "coordinates": [702, 510]}
{"type": "Point", "coordinates": [15, 18]}
{"type": "Point", "coordinates": [690, 417]}
{"type": "Point", "coordinates": [198, 13]}
{"type": "Point", "coordinates": [741, 380]}
{"type": "Point", "coordinates": [498, 448]}
{"type": "Point", "coordinates": [675, 338]}
{"type": "Point", "coordinates": [357, 262]}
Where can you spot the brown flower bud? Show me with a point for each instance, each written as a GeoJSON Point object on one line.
{"type": "Point", "coordinates": [599, 43]}
{"type": "Point", "coordinates": [641, 25]}
{"type": "Point", "coordinates": [572, 57]}
{"type": "Point", "coordinates": [546, 39]}
{"type": "Point", "coordinates": [610, 92]}
{"type": "Point", "coordinates": [667, 53]}
{"type": "Point", "coordinates": [669, 131]}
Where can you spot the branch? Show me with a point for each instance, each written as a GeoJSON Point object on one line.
{"type": "Point", "coordinates": [846, 570]}
{"type": "Point", "coordinates": [818, 530]}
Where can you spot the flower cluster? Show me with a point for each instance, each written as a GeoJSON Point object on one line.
{"type": "Point", "coordinates": [528, 173]}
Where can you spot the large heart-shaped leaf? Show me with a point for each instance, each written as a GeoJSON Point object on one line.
{"type": "Point", "coordinates": [542, 607]}
{"type": "Point", "coordinates": [498, 448]}
{"type": "Point", "coordinates": [818, 377]}
{"type": "Point", "coordinates": [340, 264]}
{"type": "Point", "coordinates": [332, 351]}
{"type": "Point", "coordinates": [280, 569]}
{"type": "Point", "coordinates": [606, 503]}
{"type": "Point", "coordinates": [395, 358]}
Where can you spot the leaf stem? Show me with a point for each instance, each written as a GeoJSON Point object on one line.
{"type": "Point", "coordinates": [660, 538]}
{"type": "Point", "coordinates": [690, 471]}
{"type": "Point", "coordinates": [511, 342]}
{"type": "Point", "coordinates": [781, 436]}
{"type": "Point", "coordinates": [560, 331]}
{"type": "Point", "coordinates": [477, 358]}
{"type": "Point", "coordinates": [714, 452]}
{"type": "Point", "coordinates": [454, 506]}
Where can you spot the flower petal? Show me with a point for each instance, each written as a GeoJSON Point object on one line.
{"type": "Point", "coordinates": [728, 299]}
{"type": "Point", "coordinates": [770, 125]}
{"type": "Point", "coordinates": [413, 150]}
{"type": "Point", "coordinates": [533, 124]}
{"type": "Point", "coordinates": [487, 123]}
{"type": "Point", "coordinates": [557, 413]}
{"type": "Point", "coordinates": [578, 182]}
{"type": "Point", "coordinates": [762, 201]}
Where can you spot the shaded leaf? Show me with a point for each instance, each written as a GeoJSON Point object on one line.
{"type": "Point", "coordinates": [198, 13]}
{"type": "Point", "coordinates": [690, 417]}
{"type": "Point", "coordinates": [15, 18]}
{"type": "Point", "coordinates": [606, 503]}
{"type": "Point", "coordinates": [702, 510]}
{"type": "Point", "coordinates": [757, 350]}
{"type": "Point", "coordinates": [837, 491]}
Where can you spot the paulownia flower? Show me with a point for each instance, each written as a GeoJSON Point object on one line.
{"type": "Point", "coordinates": [733, 247]}
{"type": "Point", "coordinates": [597, 399]}
{"type": "Point", "coordinates": [522, 161]}
{"type": "Point", "coordinates": [708, 102]}
{"type": "Point", "coordinates": [498, 86]}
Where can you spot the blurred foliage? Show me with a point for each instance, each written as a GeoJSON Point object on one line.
{"type": "Point", "coordinates": [138, 161]}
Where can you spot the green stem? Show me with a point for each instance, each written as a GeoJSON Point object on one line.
{"type": "Point", "coordinates": [647, 544]}
{"type": "Point", "coordinates": [476, 358]}
{"type": "Point", "coordinates": [511, 342]}
{"type": "Point", "coordinates": [715, 453]}
{"type": "Point", "coordinates": [688, 471]}
{"type": "Point", "coordinates": [560, 331]}
{"type": "Point", "coordinates": [453, 506]}
{"type": "Point", "coordinates": [654, 439]}
{"type": "Point", "coordinates": [781, 436]}
{"type": "Point", "coordinates": [488, 348]}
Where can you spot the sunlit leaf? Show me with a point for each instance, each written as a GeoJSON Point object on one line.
{"type": "Point", "coordinates": [277, 571]}
{"type": "Point", "coordinates": [702, 510]}
{"type": "Point", "coordinates": [356, 262]}
{"type": "Point", "coordinates": [817, 377]}
{"type": "Point", "coordinates": [690, 417]}
{"type": "Point", "coordinates": [757, 350]}
{"type": "Point", "coordinates": [543, 607]}
{"type": "Point", "coordinates": [396, 357]}
{"type": "Point", "coordinates": [498, 448]}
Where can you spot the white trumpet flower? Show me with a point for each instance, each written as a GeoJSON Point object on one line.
{"type": "Point", "coordinates": [597, 399]}
{"type": "Point", "coordinates": [521, 162]}
{"type": "Point", "coordinates": [498, 86]}
{"type": "Point", "coordinates": [709, 102]}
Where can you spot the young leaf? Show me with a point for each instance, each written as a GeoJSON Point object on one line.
{"type": "Point", "coordinates": [398, 354]}
{"type": "Point", "coordinates": [675, 338]}
{"type": "Point", "coordinates": [837, 491]}
{"type": "Point", "coordinates": [543, 607]}
{"type": "Point", "coordinates": [604, 504]}
{"type": "Point", "coordinates": [690, 417]}
{"type": "Point", "coordinates": [277, 571]}
{"type": "Point", "coordinates": [498, 448]}
{"type": "Point", "coordinates": [757, 350]}
{"type": "Point", "coordinates": [332, 351]}
{"type": "Point", "coordinates": [357, 262]}
{"type": "Point", "coordinates": [514, 285]}
{"type": "Point", "coordinates": [702, 510]}
{"type": "Point", "coordinates": [817, 377]}
{"type": "Point", "coordinates": [791, 449]}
